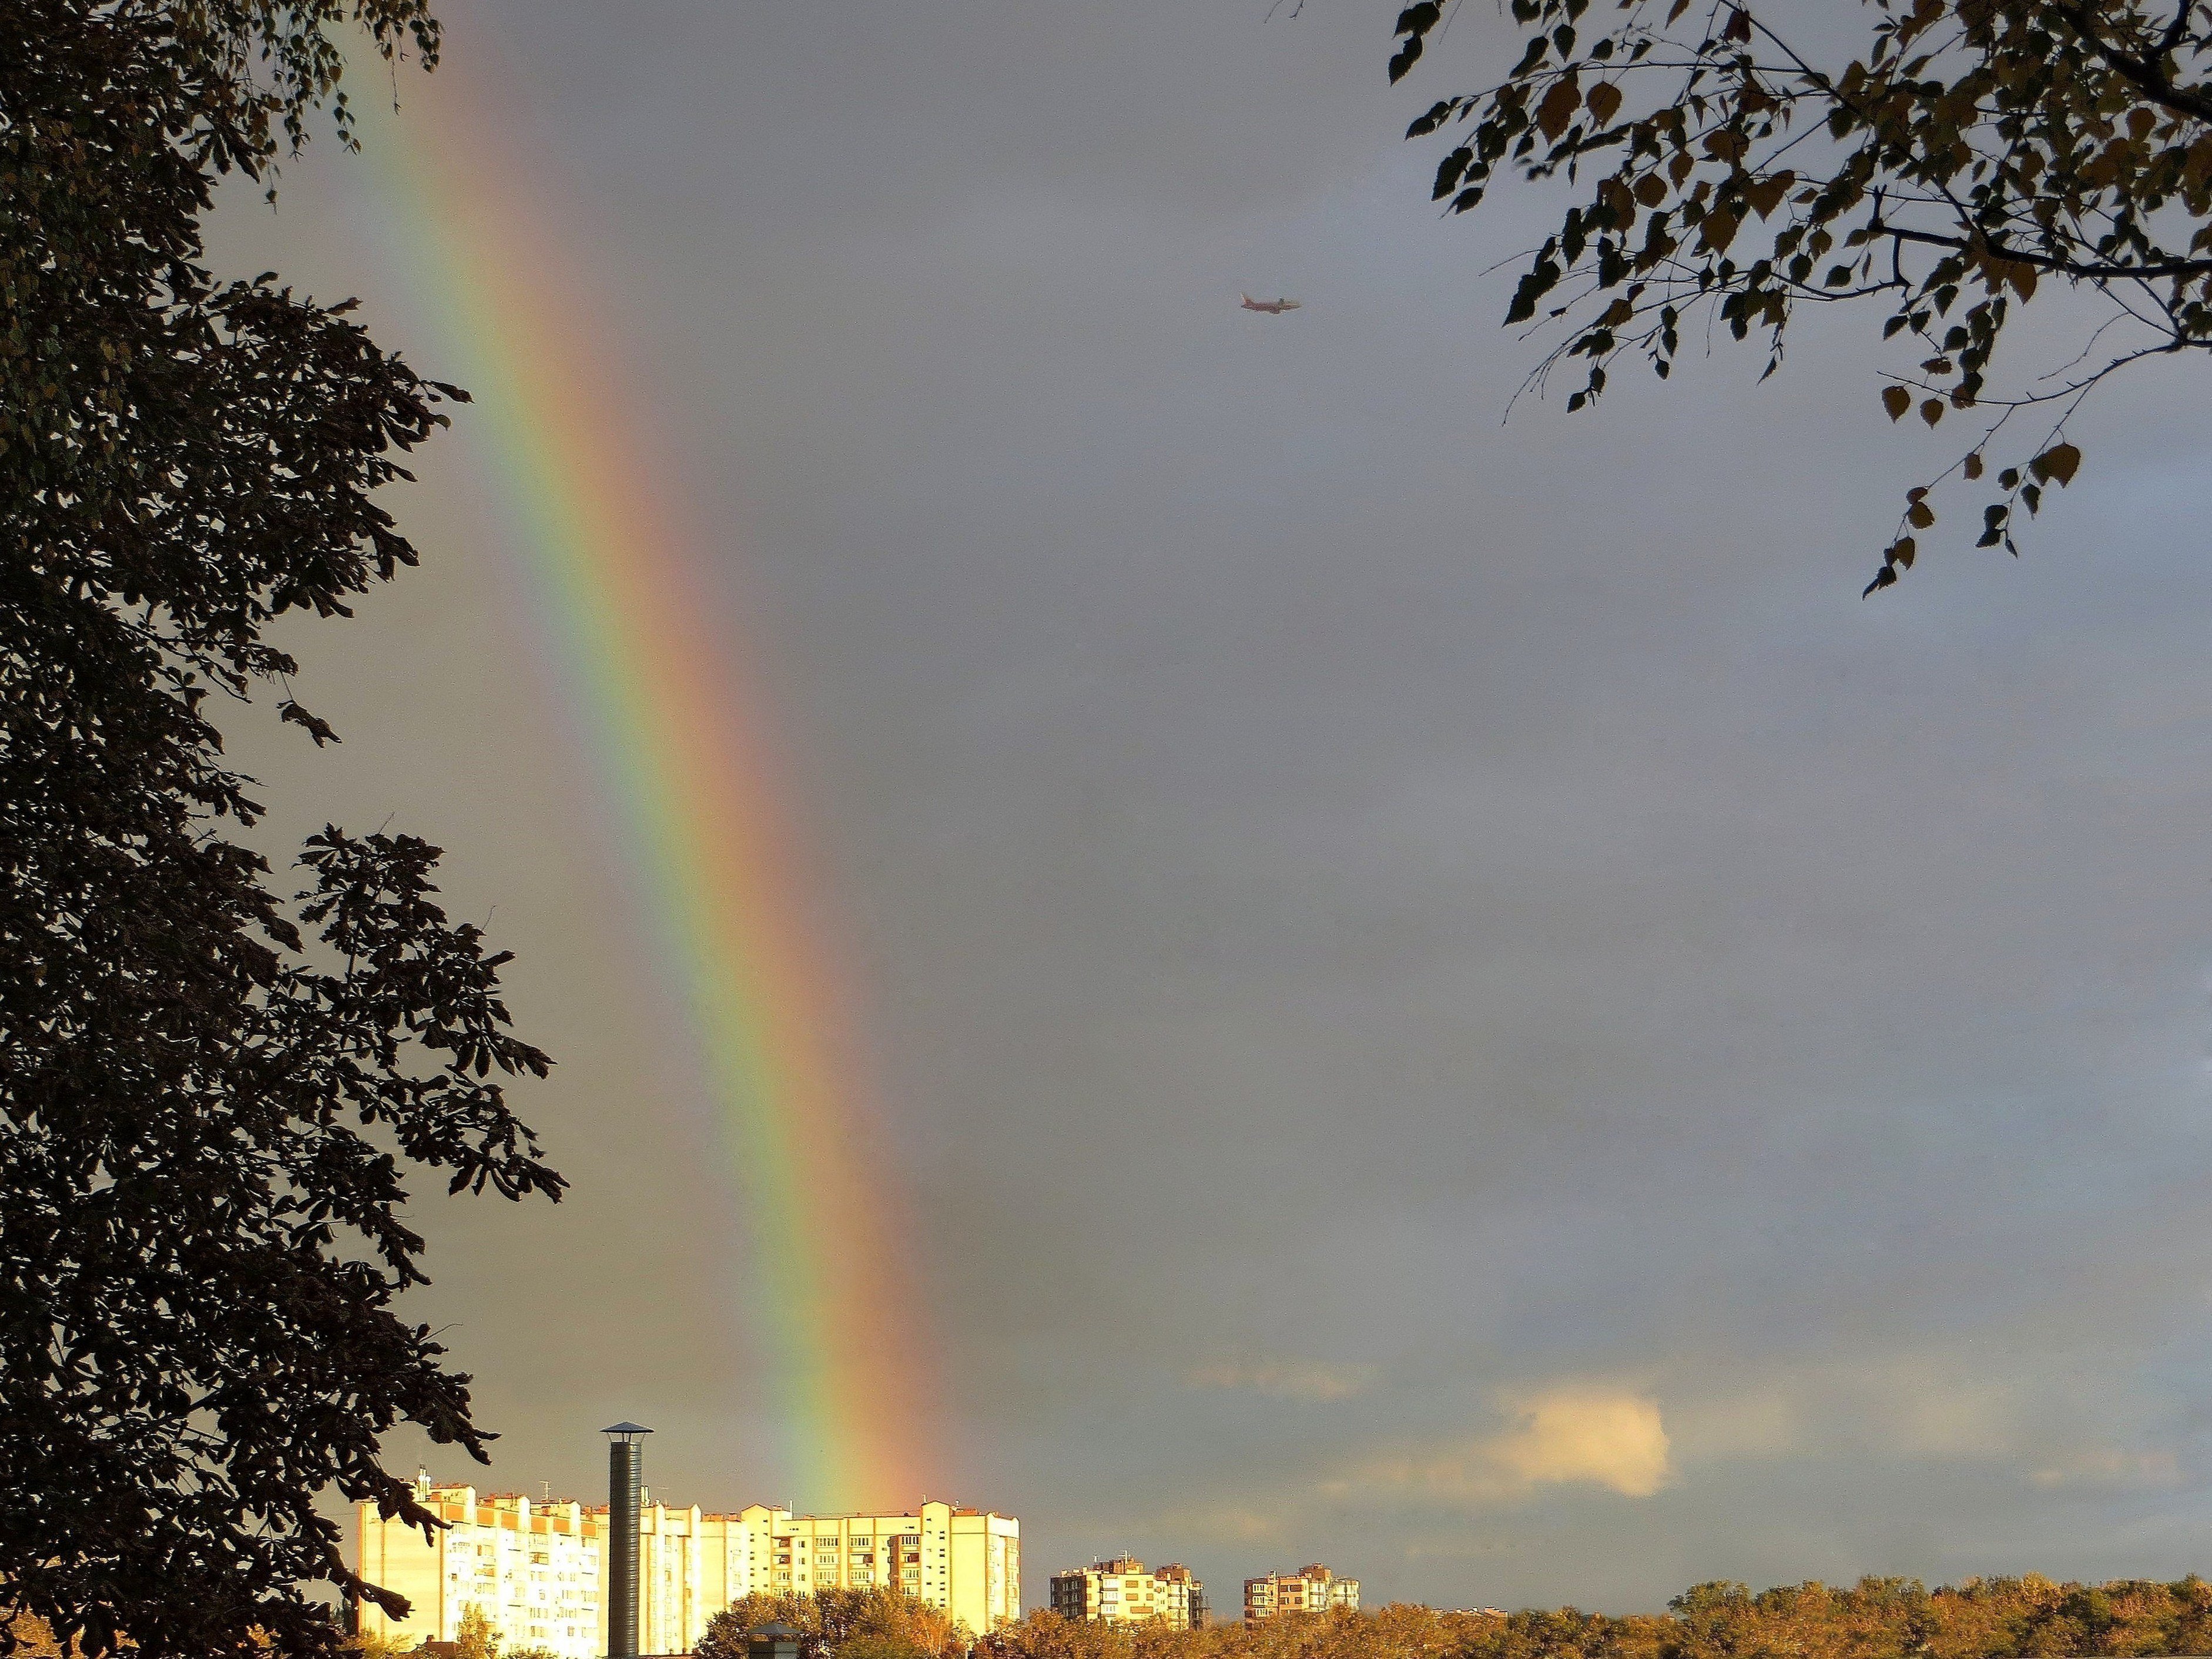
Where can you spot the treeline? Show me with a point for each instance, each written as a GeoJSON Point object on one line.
{"type": "Point", "coordinates": [2027, 1618]}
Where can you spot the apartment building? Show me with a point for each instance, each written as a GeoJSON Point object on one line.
{"type": "Point", "coordinates": [691, 1565]}
{"type": "Point", "coordinates": [1119, 1591]}
{"type": "Point", "coordinates": [537, 1569]}
{"type": "Point", "coordinates": [1192, 1596]}
{"type": "Point", "coordinates": [1310, 1590]}
{"type": "Point", "coordinates": [968, 1563]}
{"type": "Point", "coordinates": [532, 1568]}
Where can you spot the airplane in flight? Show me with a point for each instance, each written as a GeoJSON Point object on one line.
{"type": "Point", "coordinates": [1273, 307]}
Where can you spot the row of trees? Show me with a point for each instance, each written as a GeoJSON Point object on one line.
{"type": "Point", "coordinates": [1875, 1619]}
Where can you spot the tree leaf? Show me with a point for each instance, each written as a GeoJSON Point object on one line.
{"type": "Point", "coordinates": [1558, 106]}
{"type": "Point", "coordinates": [2060, 462]}
{"type": "Point", "coordinates": [1765, 195]}
{"type": "Point", "coordinates": [1896, 400]}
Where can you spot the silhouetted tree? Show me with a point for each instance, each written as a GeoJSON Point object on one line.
{"type": "Point", "coordinates": [213, 1089]}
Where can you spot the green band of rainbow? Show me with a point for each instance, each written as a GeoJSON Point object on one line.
{"type": "Point", "coordinates": [676, 737]}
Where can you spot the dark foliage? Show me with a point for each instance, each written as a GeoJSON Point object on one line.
{"type": "Point", "coordinates": [1973, 154]}
{"type": "Point", "coordinates": [211, 1092]}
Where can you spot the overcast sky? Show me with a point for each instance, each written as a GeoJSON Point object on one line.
{"type": "Point", "coordinates": [1449, 999]}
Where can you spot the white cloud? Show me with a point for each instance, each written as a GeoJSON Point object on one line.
{"type": "Point", "coordinates": [1286, 1379]}
{"type": "Point", "coordinates": [1607, 1437]}
{"type": "Point", "coordinates": [1571, 1433]}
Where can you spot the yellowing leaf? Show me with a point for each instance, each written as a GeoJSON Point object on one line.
{"type": "Point", "coordinates": [1559, 107]}
{"type": "Point", "coordinates": [1766, 195]}
{"type": "Point", "coordinates": [2060, 461]}
{"type": "Point", "coordinates": [2199, 167]}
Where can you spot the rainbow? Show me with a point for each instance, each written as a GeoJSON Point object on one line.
{"type": "Point", "coordinates": [679, 740]}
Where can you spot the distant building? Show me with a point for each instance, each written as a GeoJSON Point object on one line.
{"type": "Point", "coordinates": [966, 1563]}
{"type": "Point", "coordinates": [1119, 1591]}
{"type": "Point", "coordinates": [533, 1569]}
{"type": "Point", "coordinates": [1192, 1594]}
{"type": "Point", "coordinates": [537, 1569]}
{"type": "Point", "coordinates": [1310, 1590]}
{"type": "Point", "coordinates": [691, 1565]}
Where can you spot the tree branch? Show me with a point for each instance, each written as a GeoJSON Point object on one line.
{"type": "Point", "coordinates": [2087, 271]}
{"type": "Point", "coordinates": [2177, 28]}
{"type": "Point", "coordinates": [2146, 75]}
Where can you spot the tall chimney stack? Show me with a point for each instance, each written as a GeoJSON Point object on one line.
{"type": "Point", "coordinates": [625, 1456]}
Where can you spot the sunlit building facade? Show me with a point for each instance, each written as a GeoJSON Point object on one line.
{"type": "Point", "coordinates": [536, 1569]}
{"type": "Point", "coordinates": [1310, 1590]}
{"type": "Point", "coordinates": [532, 1569]}
{"type": "Point", "coordinates": [966, 1563]}
{"type": "Point", "coordinates": [1120, 1591]}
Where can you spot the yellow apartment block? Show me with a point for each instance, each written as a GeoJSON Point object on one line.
{"type": "Point", "coordinates": [1119, 1591]}
{"type": "Point", "coordinates": [1310, 1590]}
{"type": "Point", "coordinates": [1186, 1592]}
{"type": "Point", "coordinates": [966, 1562]}
{"type": "Point", "coordinates": [691, 1566]}
{"type": "Point", "coordinates": [532, 1568]}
